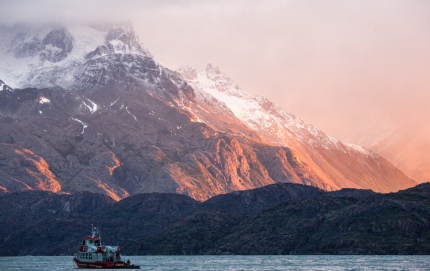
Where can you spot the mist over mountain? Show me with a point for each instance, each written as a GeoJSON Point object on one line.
{"type": "Point", "coordinates": [90, 109]}
{"type": "Point", "coordinates": [408, 149]}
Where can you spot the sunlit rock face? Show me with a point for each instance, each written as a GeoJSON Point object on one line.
{"type": "Point", "coordinates": [24, 170]}
{"type": "Point", "coordinates": [96, 112]}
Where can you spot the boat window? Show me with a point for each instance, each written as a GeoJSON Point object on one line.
{"type": "Point", "coordinates": [97, 242]}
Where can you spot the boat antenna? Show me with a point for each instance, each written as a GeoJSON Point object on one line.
{"type": "Point", "coordinates": [93, 231]}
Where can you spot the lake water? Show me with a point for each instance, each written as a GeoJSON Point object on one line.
{"type": "Point", "coordinates": [236, 263]}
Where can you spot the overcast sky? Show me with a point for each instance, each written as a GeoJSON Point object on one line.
{"type": "Point", "coordinates": [354, 68]}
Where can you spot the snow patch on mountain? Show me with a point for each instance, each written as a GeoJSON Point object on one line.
{"type": "Point", "coordinates": [126, 109]}
{"type": "Point", "coordinates": [84, 125]}
{"type": "Point", "coordinates": [86, 40]}
{"type": "Point", "coordinates": [114, 102]}
{"type": "Point", "coordinates": [44, 100]}
{"type": "Point", "coordinates": [92, 106]}
{"type": "Point", "coordinates": [359, 149]}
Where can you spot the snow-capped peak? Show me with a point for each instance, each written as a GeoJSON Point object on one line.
{"type": "Point", "coordinates": [212, 70]}
{"type": "Point", "coordinates": [47, 56]}
{"type": "Point", "coordinates": [120, 39]}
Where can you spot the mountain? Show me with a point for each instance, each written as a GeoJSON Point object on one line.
{"type": "Point", "coordinates": [276, 219]}
{"type": "Point", "coordinates": [408, 149]}
{"type": "Point", "coordinates": [331, 163]}
{"type": "Point", "coordinates": [90, 109]}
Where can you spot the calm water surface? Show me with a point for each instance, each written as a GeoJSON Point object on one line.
{"type": "Point", "coordinates": [236, 263]}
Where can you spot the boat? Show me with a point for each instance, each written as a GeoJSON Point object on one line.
{"type": "Point", "coordinates": [92, 254]}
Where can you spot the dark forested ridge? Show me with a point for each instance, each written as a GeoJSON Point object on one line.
{"type": "Point", "coordinates": [276, 219]}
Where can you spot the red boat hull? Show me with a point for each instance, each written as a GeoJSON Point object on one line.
{"type": "Point", "coordinates": [94, 265]}
{"type": "Point", "coordinates": [105, 265]}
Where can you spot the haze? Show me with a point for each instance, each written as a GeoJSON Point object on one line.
{"type": "Point", "coordinates": [358, 70]}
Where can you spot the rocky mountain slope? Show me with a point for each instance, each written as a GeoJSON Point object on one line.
{"type": "Point", "coordinates": [276, 219]}
{"type": "Point", "coordinates": [333, 162]}
{"type": "Point", "coordinates": [90, 109]}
